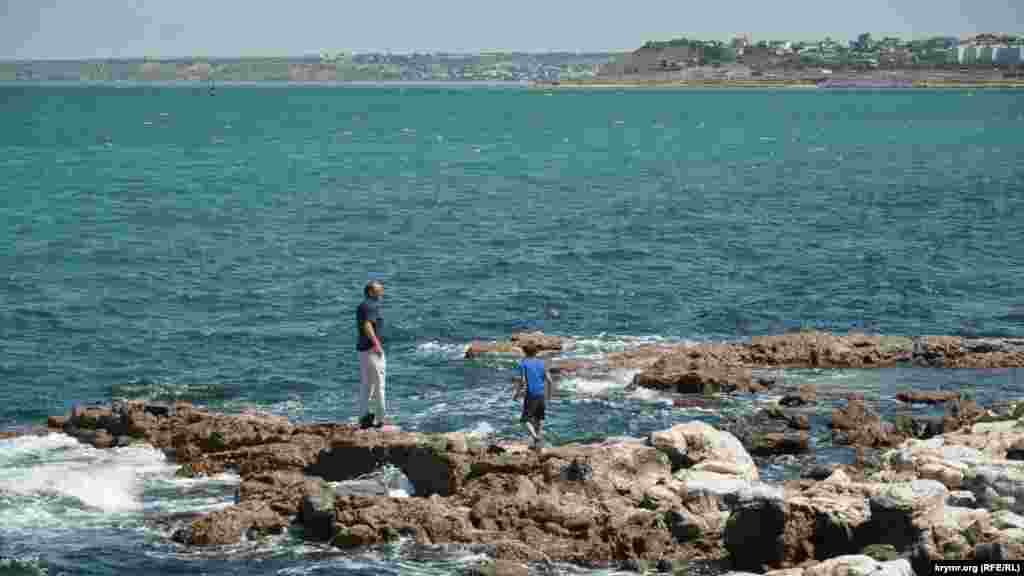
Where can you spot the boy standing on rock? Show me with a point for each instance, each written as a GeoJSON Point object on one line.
{"type": "Point", "coordinates": [534, 379]}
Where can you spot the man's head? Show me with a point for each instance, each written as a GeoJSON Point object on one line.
{"type": "Point", "coordinates": [530, 350]}
{"type": "Point", "coordinates": [374, 289]}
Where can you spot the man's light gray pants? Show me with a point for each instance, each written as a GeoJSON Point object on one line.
{"type": "Point", "coordinates": [372, 370]}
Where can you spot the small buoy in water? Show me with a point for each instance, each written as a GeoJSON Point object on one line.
{"type": "Point", "coordinates": [552, 313]}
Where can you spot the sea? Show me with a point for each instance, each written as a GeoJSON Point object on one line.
{"type": "Point", "coordinates": [210, 244]}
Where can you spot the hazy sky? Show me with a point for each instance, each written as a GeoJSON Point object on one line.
{"type": "Point", "coordinates": [168, 28]}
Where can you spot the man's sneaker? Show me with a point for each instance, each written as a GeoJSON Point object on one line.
{"type": "Point", "coordinates": [366, 421]}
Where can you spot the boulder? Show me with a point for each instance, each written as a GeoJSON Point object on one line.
{"type": "Point", "coordinates": [856, 565]}
{"type": "Point", "coordinates": [902, 513]}
{"type": "Point", "coordinates": [806, 394]}
{"type": "Point", "coordinates": [860, 426]}
{"type": "Point", "coordinates": [822, 349]}
{"type": "Point", "coordinates": [544, 343]}
{"type": "Point", "coordinates": [927, 397]}
{"type": "Point", "coordinates": [755, 534]}
{"type": "Point", "coordinates": [674, 374]}
{"type": "Point", "coordinates": [230, 525]}
{"type": "Point", "coordinates": [959, 352]}
{"type": "Point", "coordinates": [541, 341]}
{"type": "Point", "coordinates": [700, 447]}
{"type": "Point", "coordinates": [771, 431]}
{"type": "Point", "coordinates": [477, 349]}
{"type": "Point", "coordinates": [318, 516]}
{"type": "Point", "coordinates": [282, 490]}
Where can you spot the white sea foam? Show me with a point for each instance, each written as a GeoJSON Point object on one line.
{"type": "Point", "coordinates": [57, 465]}
{"type": "Point", "coordinates": [615, 382]}
{"type": "Point", "coordinates": [449, 350]}
{"type": "Point", "coordinates": [54, 482]}
{"type": "Point", "coordinates": [481, 428]}
{"type": "Point", "coordinates": [387, 479]}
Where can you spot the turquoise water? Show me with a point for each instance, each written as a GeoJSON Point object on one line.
{"type": "Point", "coordinates": [166, 243]}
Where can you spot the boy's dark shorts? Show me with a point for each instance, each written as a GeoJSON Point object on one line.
{"type": "Point", "coordinates": [533, 409]}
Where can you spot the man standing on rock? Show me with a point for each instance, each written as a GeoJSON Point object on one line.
{"type": "Point", "coordinates": [372, 364]}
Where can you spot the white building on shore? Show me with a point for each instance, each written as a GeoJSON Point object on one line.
{"type": "Point", "coordinates": [970, 53]}
{"type": "Point", "coordinates": [1008, 55]}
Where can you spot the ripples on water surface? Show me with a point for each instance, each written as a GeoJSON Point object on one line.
{"type": "Point", "coordinates": [169, 244]}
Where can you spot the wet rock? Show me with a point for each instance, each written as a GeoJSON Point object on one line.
{"type": "Point", "coordinates": [544, 343]}
{"type": "Point", "coordinates": [683, 525]}
{"type": "Point", "coordinates": [700, 369]}
{"type": "Point", "coordinates": [365, 521]}
{"type": "Point", "coordinates": [913, 426]}
{"type": "Point", "coordinates": [102, 439]}
{"type": "Point", "coordinates": [423, 459]}
{"type": "Point", "coordinates": [960, 413]}
{"type": "Point", "coordinates": [282, 490]}
{"type": "Point", "coordinates": [499, 568]}
{"type": "Point", "coordinates": [958, 352]}
{"type": "Point", "coordinates": [806, 394]}
{"type": "Point", "coordinates": [318, 516]}
{"type": "Point", "coordinates": [996, 485]}
{"type": "Point", "coordinates": [690, 402]}
{"type": "Point", "coordinates": [682, 379]}
{"type": "Point", "coordinates": [822, 349]}
{"type": "Point", "coordinates": [1016, 450]}
{"type": "Point", "coordinates": [989, 552]}
{"type": "Point", "coordinates": [862, 426]}
{"type": "Point", "coordinates": [478, 349]}
{"type": "Point", "coordinates": [754, 534]}
{"type": "Point", "coordinates": [540, 341]}
{"type": "Point", "coordinates": [228, 526]}
{"type": "Point", "coordinates": [922, 397]}
{"type": "Point", "coordinates": [961, 499]}
{"type": "Point", "coordinates": [819, 471]}
{"type": "Point", "coordinates": [771, 431]}
{"type": "Point", "coordinates": [578, 471]}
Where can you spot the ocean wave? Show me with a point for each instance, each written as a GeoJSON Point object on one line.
{"type": "Point", "coordinates": [164, 391]}
{"type": "Point", "coordinates": [56, 482]}
{"type": "Point", "coordinates": [23, 566]}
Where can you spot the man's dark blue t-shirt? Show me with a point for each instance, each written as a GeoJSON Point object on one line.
{"type": "Point", "coordinates": [369, 310]}
{"type": "Point", "coordinates": [533, 370]}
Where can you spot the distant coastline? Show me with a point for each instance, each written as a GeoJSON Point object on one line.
{"type": "Point", "coordinates": [845, 84]}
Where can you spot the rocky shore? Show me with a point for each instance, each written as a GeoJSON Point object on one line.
{"type": "Point", "coordinates": [934, 489]}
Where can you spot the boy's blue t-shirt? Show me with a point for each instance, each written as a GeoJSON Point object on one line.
{"type": "Point", "coordinates": [533, 370]}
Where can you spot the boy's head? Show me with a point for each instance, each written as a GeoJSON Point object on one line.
{"type": "Point", "coordinates": [530, 350]}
